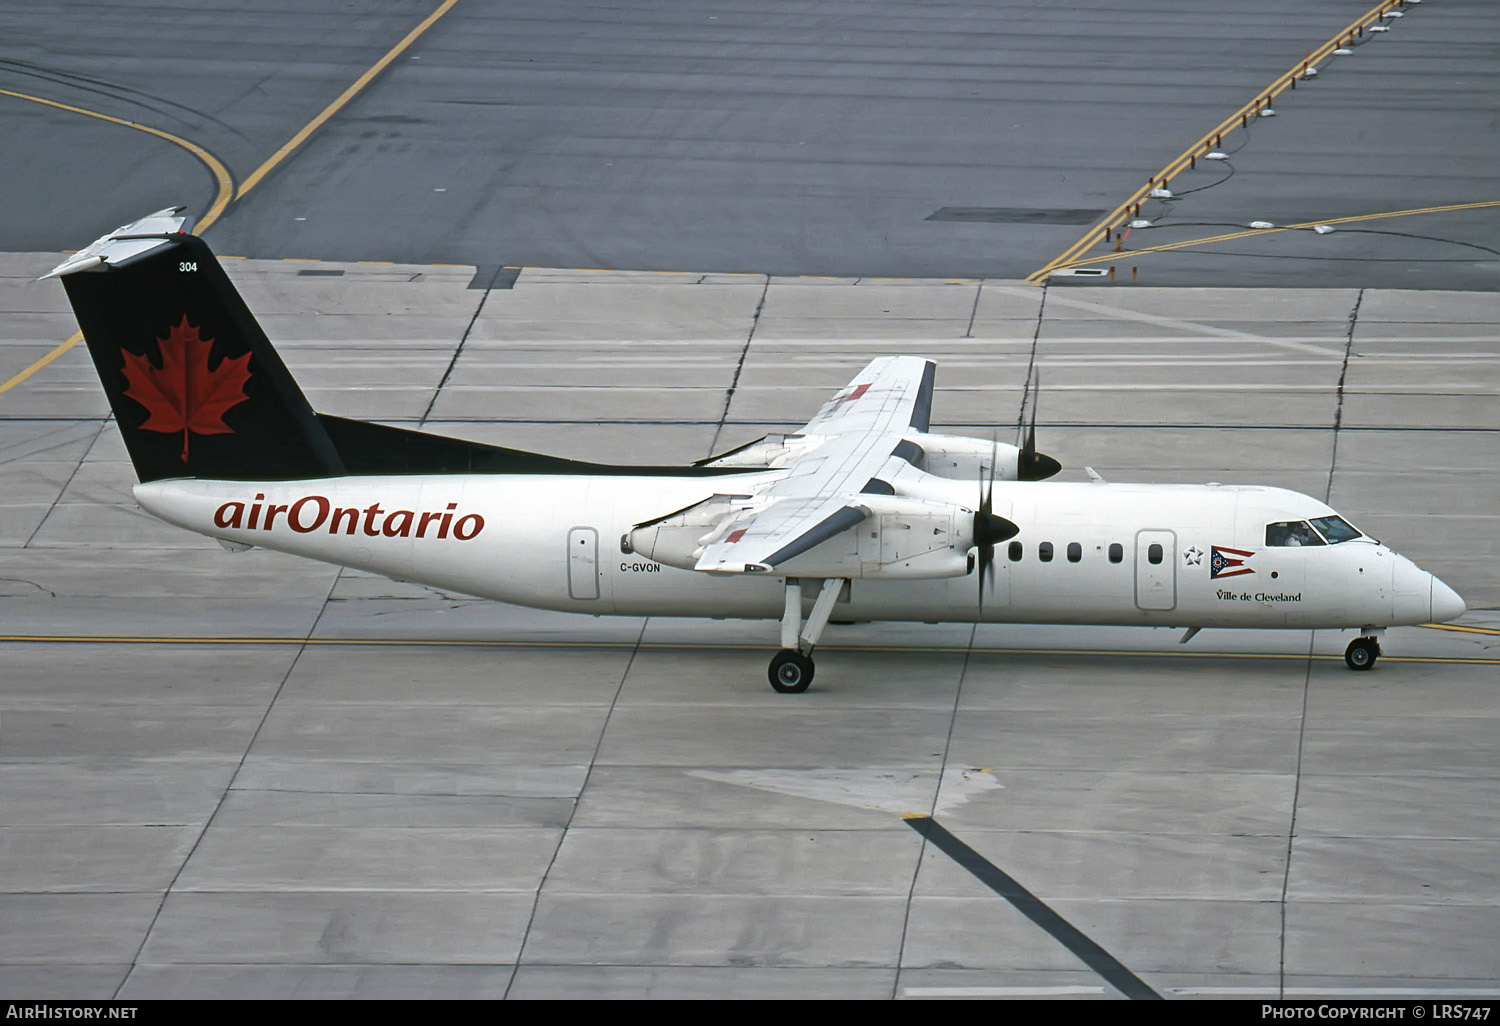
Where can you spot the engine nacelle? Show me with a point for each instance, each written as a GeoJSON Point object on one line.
{"type": "Point", "coordinates": [966, 459]}
{"type": "Point", "coordinates": [900, 538]}
{"type": "Point", "coordinates": [956, 457]}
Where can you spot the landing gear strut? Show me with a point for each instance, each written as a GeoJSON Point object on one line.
{"type": "Point", "coordinates": [1362, 653]}
{"type": "Point", "coordinates": [791, 669]}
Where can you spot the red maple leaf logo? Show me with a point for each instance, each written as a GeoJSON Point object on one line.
{"type": "Point", "coordinates": [184, 394]}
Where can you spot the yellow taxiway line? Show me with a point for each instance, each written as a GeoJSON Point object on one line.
{"type": "Point", "coordinates": [337, 105]}
{"type": "Point", "coordinates": [1101, 230]}
{"type": "Point", "coordinates": [215, 166]}
{"type": "Point", "coordinates": [15, 379]}
{"type": "Point", "coordinates": [1251, 232]}
{"type": "Point", "coordinates": [1460, 627]}
{"type": "Point", "coordinates": [220, 204]}
{"type": "Point", "coordinates": [227, 191]}
{"type": "Point", "coordinates": [689, 646]}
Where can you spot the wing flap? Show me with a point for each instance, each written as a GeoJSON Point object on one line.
{"type": "Point", "coordinates": [837, 522]}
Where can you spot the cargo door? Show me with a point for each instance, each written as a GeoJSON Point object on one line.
{"type": "Point", "coordinates": [583, 563]}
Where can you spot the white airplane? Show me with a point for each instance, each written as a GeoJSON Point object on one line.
{"type": "Point", "coordinates": [862, 515]}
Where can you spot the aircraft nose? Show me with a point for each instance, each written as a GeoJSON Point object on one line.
{"type": "Point", "coordinates": [1447, 604]}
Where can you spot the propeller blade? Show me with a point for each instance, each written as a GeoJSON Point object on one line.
{"type": "Point", "coordinates": [989, 489]}
{"type": "Point", "coordinates": [985, 517]}
{"type": "Point", "coordinates": [1030, 464]}
{"type": "Point", "coordinates": [989, 531]}
{"type": "Point", "coordinates": [1028, 450]}
{"type": "Point", "coordinates": [986, 556]}
{"type": "Point", "coordinates": [1025, 400]}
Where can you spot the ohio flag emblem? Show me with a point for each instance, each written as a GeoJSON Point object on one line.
{"type": "Point", "coordinates": [1228, 562]}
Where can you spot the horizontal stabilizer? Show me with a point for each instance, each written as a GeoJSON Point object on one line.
{"type": "Point", "coordinates": [127, 243]}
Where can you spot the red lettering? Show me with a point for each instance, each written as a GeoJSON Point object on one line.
{"type": "Point", "coordinates": [338, 515]}
{"type": "Point", "coordinates": [398, 523]}
{"type": "Point", "coordinates": [220, 520]}
{"type": "Point", "coordinates": [346, 519]}
{"type": "Point", "coordinates": [294, 515]}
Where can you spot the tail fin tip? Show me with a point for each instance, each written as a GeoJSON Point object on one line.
{"type": "Point", "coordinates": [127, 243]}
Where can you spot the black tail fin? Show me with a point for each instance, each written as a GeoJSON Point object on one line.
{"type": "Point", "coordinates": [193, 381]}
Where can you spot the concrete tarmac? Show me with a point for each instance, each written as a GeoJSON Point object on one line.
{"type": "Point", "coordinates": [330, 784]}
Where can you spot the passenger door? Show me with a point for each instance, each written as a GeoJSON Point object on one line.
{"type": "Point", "coordinates": [1156, 570]}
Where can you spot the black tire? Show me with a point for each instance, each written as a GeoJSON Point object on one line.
{"type": "Point", "coordinates": [1362, 653]}
{"type": "Point", "coordinates": [791, 672]}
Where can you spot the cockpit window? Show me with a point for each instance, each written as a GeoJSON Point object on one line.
{"type": "Point", "coordinates": [1291, 533]}
{"type": "Point", "coordinates": [1335, 529]}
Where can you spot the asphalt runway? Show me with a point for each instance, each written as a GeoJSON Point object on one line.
{"type": "Point", "coordinates": [242, 775]}
{"type": "Point", "coordinates": [972, 140]}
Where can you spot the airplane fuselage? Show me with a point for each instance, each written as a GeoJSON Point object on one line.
{"type": "Point", "coordinates": [863, 514]}
{"type": "Point", "coordinates": [1097, 553]}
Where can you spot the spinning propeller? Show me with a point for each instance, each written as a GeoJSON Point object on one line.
{"type": "Point", "coordinates": [1032, 465]}
{"type": "Point", "coordinates": [990, 530]}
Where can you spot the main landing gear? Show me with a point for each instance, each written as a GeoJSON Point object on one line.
{"type": "Point", "coordinates": [1362, 653]}
{"type": "Point", "coordinates": [791, 669]}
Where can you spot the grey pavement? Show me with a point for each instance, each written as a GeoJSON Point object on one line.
{"type": "Point", "coordinates": [337, 785]}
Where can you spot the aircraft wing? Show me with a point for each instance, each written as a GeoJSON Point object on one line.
{"type": "Point", "coordinates": [857, 433]}
{"type": "Point", "coordinates": [892, 393]}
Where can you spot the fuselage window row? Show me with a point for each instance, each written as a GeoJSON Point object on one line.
{"type": "Point", "coordinates": [1045, 550]}
{"type": "Point", "coordinates": [1278, 535]}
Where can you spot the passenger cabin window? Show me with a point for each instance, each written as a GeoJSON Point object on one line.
{"type": "Point", "coordinates": [1044, 552]}
{"type": "Point", "coordinates": [1335, 529]}
{"type": "Point", "coordinates": [1015, 552]}
{"type": "Point", "coordinates": [1153, 554]}
{"type": "Point", "coordinates": [1116, 552]}
{"type": "Point", "coordinates": [1291, 533]}
{"type": "Point", "coordinates": [1075, 552]}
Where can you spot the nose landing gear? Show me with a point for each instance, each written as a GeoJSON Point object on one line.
{"type": "Point", "coordinates": [1362, 653]}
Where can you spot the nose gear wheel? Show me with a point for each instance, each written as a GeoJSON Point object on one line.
{"type": "Point", "coordinates": [1362, 653]}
